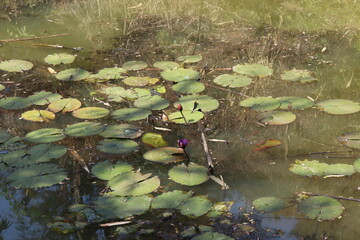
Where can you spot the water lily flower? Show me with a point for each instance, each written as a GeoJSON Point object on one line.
{"type": "Point", "coordinates": [183, 142]}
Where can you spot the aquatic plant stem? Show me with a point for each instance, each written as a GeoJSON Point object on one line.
{"type": "Point", "coordinates": [183, 116]}
{"type": "Point", "coordinates": [187, 157]}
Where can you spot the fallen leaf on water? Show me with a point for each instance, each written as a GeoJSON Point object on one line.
{"type": "Point", "coordinates": [267, 144]}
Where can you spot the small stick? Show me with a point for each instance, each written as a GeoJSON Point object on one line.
{"type": "Point", "coordinates": [227, 90]}
{"type": "Point", "coordinates": [34, 38]}
{"type": "Point", "coordinates": [206, 148]}
{"type": "Point", "coordinates": [219, 181]}
{"type": "Point", "coordinates": [336, 197]}
{"type": "Point", "coordinates": [217, 140]}
{"type": "Point", "coordinates": [114, 223]}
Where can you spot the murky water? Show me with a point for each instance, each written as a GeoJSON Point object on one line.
{"type": "Point", "coordinates": [331, 56]}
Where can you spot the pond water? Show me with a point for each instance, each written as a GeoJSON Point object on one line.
{"type": "Point", "coordinates": [269, 39]}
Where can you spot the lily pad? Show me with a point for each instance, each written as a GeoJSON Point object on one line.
{"type": "Point", "coordinates": [122, 131]}
{"type": "Point", "coordinates": [357, 165]}
{"type": "Point", "coordinates": [72, 74]}
{"type": "Point", "coordinates": [296, 75]}
{"type": "Point", "coordinates": [204, 103]}
{"type": "Point", "coordinates": [119, 94]}
{"type": "Point", "coordinates": [46, 152]}
{"type": "Point", "coordinates": [320, 208]}
{"type": "Point", "coordinates": [308, 168]}
{"type": "Point", "coordinates": [91, 113]}
{"type": "Point", "coordinates": [170, 199]}
{"type": "Point", "coordinates": [261, 104]}
{"type": "Point", "coordinates": [152, 103]}
{"type": "Point", "coordinates": [4, 136]}
{"type": "Point", "coordinates": [190, 116]}
{"type": "Point", "coordinates": [14, 103]}
{"type": "Point", "coordinates": [130, 114]}
{"type": "Point", "coordinates": [253, 70]}
{"type": "Point", "coordinates": [117, 146]}
{"type": "Point", "coordinates": [135, 65]}
{"type": "Point", "coordinates": [133, 184]}
{"type": "Point", "coordinates": [15, 65]}
{"type": "Point", "coordinates": [190, 175]}
{"type": "Point", "coordinates": [65, 105]}
{"type": "Point", "coordinates": [109, 73]}
{"type": "Point", "coordinates": [212, 236]}
{"type": "Point", "coordinates": [195, 206]}
{"type": "Point", "coordinates": [2, 87]}
{"type": "Point", "coordinates": [180, 74]}
{"type": "Point", "coordinates": [338, 106]}
{"type": "Point", "coordinates": [37, 176]}
{"type": "Point", "coordinates": [163, 65]}
{"type": "Point", "coordinates": [17, 158]}
{"type": "Point", "coordinates": [121, 207]}
{"type": "Point", "coordinates": [84, 129]}
{"type": "Point", "coordinates": [154, 139]}
{"type": "Point", "coordinates": [45, 135]}
{"type": "Point", "coordinates": [189, 58]}
{"type": "Point", "coordinates": [351, 140]}
{"type": "Point", "coordinates": [140, 81]}
{"type": "Point", "coordinates": [165, 155]}
{"type": "Point", "coordinates": [232, 80]}
{"type": "Point", "coordinates": [38, 115]}
{"type": "Point", "coordinates": [59, 58]}
{"type": "Point", "coordinates": [268, 204]}
{"type": "Point", "coordinates": [295, 103]}
{"type": "Point", "coordinates": [43, 98]}
{"type": "Point", "coordinates": [339, 169]}
{"type": "Point", "coordinates": [277, 118]}
{"type": "Point", "coordinates": [107, 170]}
{"type": "Point", "coordinates": [188, 86]}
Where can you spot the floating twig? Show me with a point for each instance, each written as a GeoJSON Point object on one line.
{"type": "Point", "coordinates": [217, 140]}
{"type": "Point", "coordinates": [325, 195]}
{"type": "Point", "coordinates": [33, 38]}
{"type": "Point", "coordinates": [206, 149]}
{"type": "Point", "coordinates": [227, 90]}
{"type": "Point", "coordinates": [119, 223]}
{"type": "Point", "coordinates": [219, 181]}
{"type": "Point", "coordinates": [77, 157]}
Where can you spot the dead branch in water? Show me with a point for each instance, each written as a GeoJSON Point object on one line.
{"type": "Point", "coordinates": [325, 195]}
{"type": "Point", "coordinates": [34, 38]}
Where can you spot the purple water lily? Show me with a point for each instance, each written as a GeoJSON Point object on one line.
{"type": "Point", "coordinates": [182, 143]}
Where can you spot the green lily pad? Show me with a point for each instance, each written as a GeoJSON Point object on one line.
{"type": "Point", "coordinates": [38, 115]}
{"type": "Point", "coordinates": [190, 58]}
{"type": "Point", "coordinates": [295, 103]}
{"type": "Point", "coordinates": [45, 135]}
{"type": "Point", "coordinates": [59, 58]}
{"type": "Point", "coordinates": [268, 204]}
{"type": "Point", "coordinates": [351, 140]}
{"type": "Point", "coordinates": [65, 105]}
{"type": "Point", "coordinates": [43, 98]}
{"type": "Point", "coordinates": [338, 106]}
{"type": "Point", "coordinates": [12, 144]}
{"type": "Point", "coordinates": [308, 168]}
{"type": "Point", "coordinates": [134, 65]}
{"type": "Point", "coordinates": [37, 176]}
{"type": "Point", "coordinates": [165, 155]}
{"type": "Point", "coordinates": [140, 81]}
{"type": "Point", "coordinates": [14, 103]}
{"type": "Point", "coordinates": [190, 175]}
{"type": "Point", "coordinates": [107, 170]}
{"type": "Point", "coordinates": [170, 199]}
{"type": "Point", "coordinates": [232, 80]}
{"type": "Point", "coordinates": [253, 70]}
{"type": "Point", "coordinates": [109, 73]}
{"type": "Point", "coordinates": [133, 184]}
{"type": "Point", "coordinates": [188, 86]}
{"type": "Point", "coordinates": [72, 74]}
{"type": "Point", "coordinates": [204, 103]}
{"type": "Point", "coordinates": [46, 152]}
{"type": "Point", "coordinates": [339, 169]}
{"type": "Point", "coordinates": [91, 113]}
{"type": "Point", "coordinates": [131, 114]}
{"type": "Point", "coordinates": [163, 65]}
{"type": "Point", "coordinates": [119, 94]}
{"type": "Point", "coordinates": [212, 236]}
{"type": "Point", "coordinates": [357, 165]}
{"type": "Point", "coordinates": [152, 103]}
{"type": "Point", "coordinates": [122, 131]}
{"type": "Point", "coordinates": [154, 139]}
{"type": "Point", "coordinates": [220, 208]}
{"type": "Point", "coordinates": [180, 74]}
{"type": "Point", "coordinates": [15, 65]}
{"type": "Point", "coordinates": [320, 208]}
{"type": "Point", "coordinates": [277, 118]}
{"type": "Point", "coordinates": [17, 158]}
{"type": "Point", "coordinates": [296, 75]}
{"type": "Point", "coordinates": [193, 231]}
{"type": "Point", "coordinates": [195, 206]}
{"type": "Point", "coordinates": [84, 129]}
{"type": "Point", "coordinates": [4, 136]}
{"type": "Point", "coordinates": [190, 116]}
{"type": "Point", "coordinates": [2, 87]}
{"type": "Point", "coordinates": [117, 146]}
{"type": "Point", "coordinates": [261, 104]}
{"type": "Point", "coordinates": [121, 207]}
